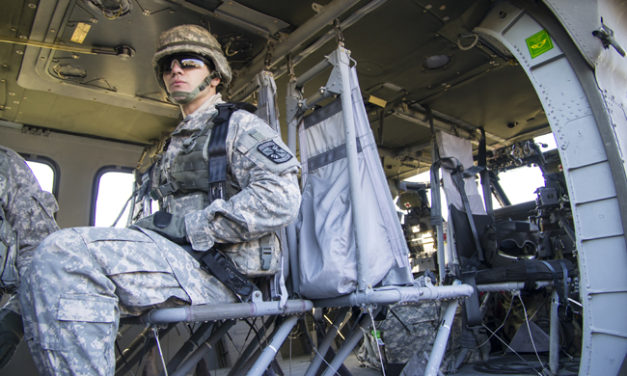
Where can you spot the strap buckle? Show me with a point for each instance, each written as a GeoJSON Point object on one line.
{"type": "Point", "coordinates": [163, 190]}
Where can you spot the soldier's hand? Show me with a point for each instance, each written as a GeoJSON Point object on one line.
{"type": "Point", "coordinates": [165, 224]}
{"type": "Point", "coordinates": [11, 333]}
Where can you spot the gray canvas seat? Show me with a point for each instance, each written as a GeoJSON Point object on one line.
{"type": "Point", "coordinates": [351, 249]}
{"type": "Point", "coordinates": [327, 247]}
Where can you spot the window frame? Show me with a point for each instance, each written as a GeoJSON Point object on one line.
{"type": "Point", "coordinates": [56, 170]}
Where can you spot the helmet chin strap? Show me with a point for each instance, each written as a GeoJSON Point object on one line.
{"type": "Point", "coordinates": [184, 97]}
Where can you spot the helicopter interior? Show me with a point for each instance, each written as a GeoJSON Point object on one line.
{"type": "Point", "coordinates": [82, 69]}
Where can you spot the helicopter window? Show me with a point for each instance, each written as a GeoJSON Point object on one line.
{"type": "Point", "coordinates": [45, 170]}
{"type": "Point", "coordinates": [518, 183]}
{"type": "Point", "coordinates": [112, 189]}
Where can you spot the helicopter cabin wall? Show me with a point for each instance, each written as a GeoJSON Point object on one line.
{"type": "Point", "coordinates": [78, 160]}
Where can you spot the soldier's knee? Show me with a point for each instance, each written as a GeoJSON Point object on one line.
{"type": "Point", "coordinates": [56, 249]}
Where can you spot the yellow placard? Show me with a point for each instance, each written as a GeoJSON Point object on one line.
{"type": "Point", "coordinates": [80, 32]}
{"type": "Point", "coordinates": [377, 101]}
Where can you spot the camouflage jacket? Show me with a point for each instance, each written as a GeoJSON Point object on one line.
{"type": "Point", "coordinates": [263, 195]}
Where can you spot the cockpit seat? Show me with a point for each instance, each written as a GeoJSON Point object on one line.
{"type": "Point", "coordinates": [488, 250]}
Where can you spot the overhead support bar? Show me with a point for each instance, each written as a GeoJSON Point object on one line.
{"type": "Point", "coordinates": [315, 99]}
{"type": "Point", "coordinates": [447, 124]}
{"type": "Point", "coordinates": [296, 39]}
{"type": "Point", "coordinates": [348, 22]}
{"type": "Point", "coordinates": [318, 22]}
{"type": "Point", "coordinates": [413, 151]}
{"type": "Point", "coordinates": [313, 71]}
{"type": "Point", "coordinates": [235, 13]}
{"type": "Point", "coordinates": [420, 119]}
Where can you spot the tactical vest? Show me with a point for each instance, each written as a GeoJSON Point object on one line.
{"type": "Point", "coordinates": [189, 172]}
{"type": "Point", "coordinates": [203, 168]}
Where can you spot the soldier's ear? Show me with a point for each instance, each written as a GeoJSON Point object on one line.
{"type": "Point", "coordinates": [215, 80]}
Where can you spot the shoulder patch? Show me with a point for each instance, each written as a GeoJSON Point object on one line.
{"type": "Point", "coordinates": [274, 152]}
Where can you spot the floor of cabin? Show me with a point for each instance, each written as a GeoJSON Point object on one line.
{"type": "Point", "coordinates": [298, 366]}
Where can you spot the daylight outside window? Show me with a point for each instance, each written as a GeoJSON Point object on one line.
{"type": "Point", "coordinates": [114, 188]}
{"type": "Point", "coordinates": [44, 174]}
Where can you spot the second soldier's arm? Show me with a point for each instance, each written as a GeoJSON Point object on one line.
{"type": "Point", "coordinates": [30, 213]}
{"type": "Point", "coordinates": [29, 210]}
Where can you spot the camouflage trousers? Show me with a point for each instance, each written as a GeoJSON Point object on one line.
{"type": "Point", "coordinates": [81, 279]}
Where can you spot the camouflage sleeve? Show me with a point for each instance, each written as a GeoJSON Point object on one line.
{"type": "Point", "coordinates": [29, 210]}
{"type": "Point", "coordinates": [270, 197]}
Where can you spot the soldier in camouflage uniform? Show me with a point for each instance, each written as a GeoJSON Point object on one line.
{"type": "Point", "coordinates": [26, 218]}
{"type": "Point", "coordinates": [83, 278]}
{"type": "Point", "coordinates": [407, 328]}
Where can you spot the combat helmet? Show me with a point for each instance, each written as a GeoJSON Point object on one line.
{"type": "Point", "coordinates": [191, 39]}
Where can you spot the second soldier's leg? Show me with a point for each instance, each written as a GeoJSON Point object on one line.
{"type": "Point", "coordinates": [71, 309]}
{"type": "Point", "coordinates": [79, 277]}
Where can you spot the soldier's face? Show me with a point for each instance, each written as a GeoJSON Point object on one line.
{"type": "Point", "coordinates": [184, 78]}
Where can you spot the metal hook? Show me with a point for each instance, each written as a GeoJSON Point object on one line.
{"type": "Point", "coordinates": [338, 32]}
{"type": "Point", "coordinates": [268, 58]}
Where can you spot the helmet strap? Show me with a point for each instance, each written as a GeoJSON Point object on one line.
{"type": "Point", "coordinates": [184, 97]}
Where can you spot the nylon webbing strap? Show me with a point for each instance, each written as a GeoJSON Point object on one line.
{"type": "Point", "coordinates": [328, 157]}
{"type": "Point", "coordinates": [223, 269]}
{"type": "Point", "coordinates": [217, 150]}
{"type": "Point", "coordinates": [458, 179]}
{"type": "Point", "coordinates": [485, 174]}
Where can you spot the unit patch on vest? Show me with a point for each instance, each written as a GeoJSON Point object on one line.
{"type": "Point", "coordinates": [274, 152]}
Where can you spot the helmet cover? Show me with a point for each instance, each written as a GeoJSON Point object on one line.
{"type": "Point", "coordinates": [191, 39]}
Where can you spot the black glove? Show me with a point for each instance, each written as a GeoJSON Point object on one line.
{"type": "Point", "coordinates": [11, 333]}
{"type": "Point", "coordinates": [165, 224]}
